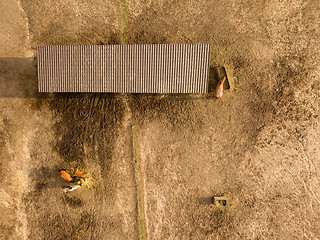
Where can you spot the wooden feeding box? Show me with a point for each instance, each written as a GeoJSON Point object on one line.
{"type": "Point", "coordinates": [219, 201]}
{"type": "Point", "coordinates": [216, 74]}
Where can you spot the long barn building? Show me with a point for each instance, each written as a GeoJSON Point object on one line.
{"type": "Point", "coordinates": [165, 68]}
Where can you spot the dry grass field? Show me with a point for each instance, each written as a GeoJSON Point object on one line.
{"type": "Point", "coordinates": [156, 160]}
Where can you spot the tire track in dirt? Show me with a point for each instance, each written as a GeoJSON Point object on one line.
{"type": "Point", "coordinates": [27, 27]}
{"type": "Point", "coordinates": [140, 184]}
{"type": "Point", "coordinates": [139, 178]}
{"type": "Point", "coordinates": [23, 161]}
{"type": "Point", "coordinates": [126, 192]}
{"type": "Point", "coordinates": [17, 148]}
{"type": "Point", "coordinates": [21, 125]}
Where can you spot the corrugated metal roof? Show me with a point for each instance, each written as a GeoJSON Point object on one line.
{"type": "Point", "coordinates": [167, 68]}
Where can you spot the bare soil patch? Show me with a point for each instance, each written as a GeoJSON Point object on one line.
{"type": "Point", "coordinates": [258, 145]}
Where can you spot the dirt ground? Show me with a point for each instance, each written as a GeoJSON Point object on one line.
{"type": "Point", "coordinates": [155, 161]}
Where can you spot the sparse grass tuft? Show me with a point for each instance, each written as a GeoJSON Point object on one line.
{"type": "Point", "coordinates": [124, 20]}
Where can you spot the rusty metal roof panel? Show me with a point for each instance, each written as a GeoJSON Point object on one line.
{"type": "Point", "coordinates": [167, 68]}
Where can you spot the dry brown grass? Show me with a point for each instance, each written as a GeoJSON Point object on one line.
{"type": "Point", "coordinates": [259, 144]}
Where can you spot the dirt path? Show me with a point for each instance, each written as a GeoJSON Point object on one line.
{"type": "Point", "coordinates": [14, 31]}
{"type": "Point", "coordinates": [21, 129]}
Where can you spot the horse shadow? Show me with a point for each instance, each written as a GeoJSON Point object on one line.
{"type": "Point", "coordinates": [46, 178]}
